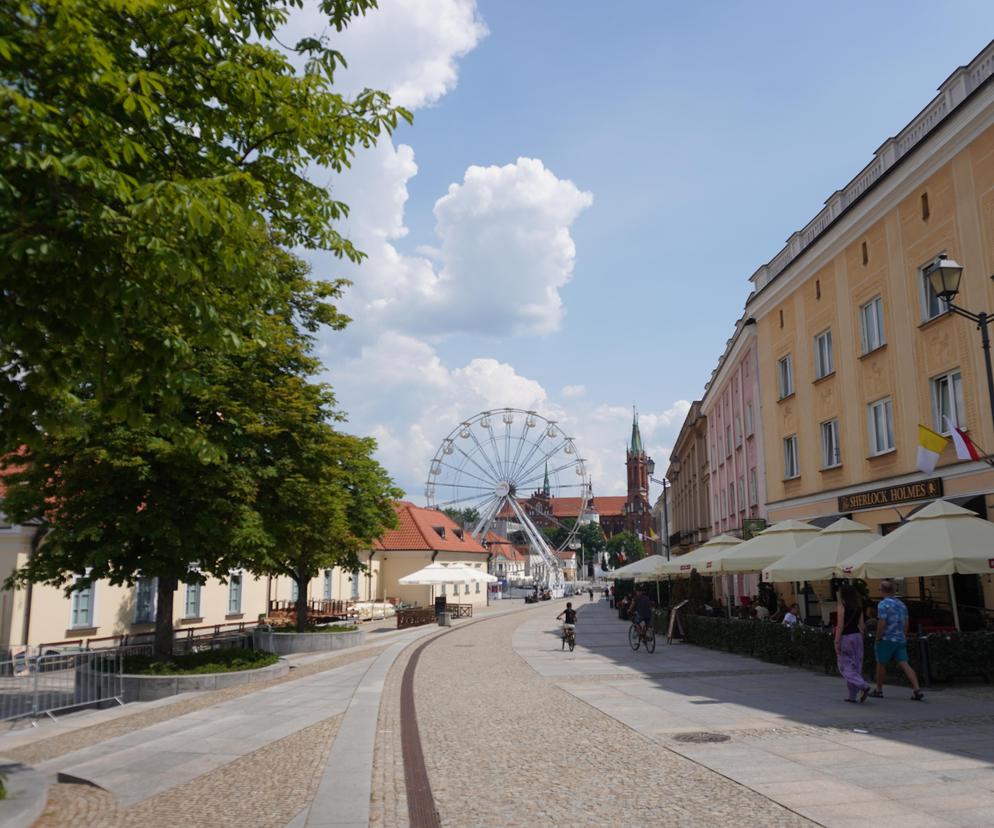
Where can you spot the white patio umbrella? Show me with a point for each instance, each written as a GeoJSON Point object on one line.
{"type": "Point", "coordinates": [436, 574]}
{"type": "Point", "coordinates": [766, 548]}
{"type": "Point", "coordinates": [683, 564]}
{"type": "Point", "coordinates": [941, 539]}
{"type": "Point", "coordinates": [817, 559]}
{"type": "Point", "coordinates": [645, 569]}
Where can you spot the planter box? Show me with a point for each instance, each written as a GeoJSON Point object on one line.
{"type": "Point", "coordinates": [290, 643]}
{"type": "Point", "coordinates": [150, 688]}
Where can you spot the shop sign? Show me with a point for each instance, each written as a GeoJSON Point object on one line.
{"type": "Point", "coordinates": [890, 495]}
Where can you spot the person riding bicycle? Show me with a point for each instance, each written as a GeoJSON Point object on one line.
{"type": "Point", "coordinates": [643, 610]}
{"type": "Point", "coordinates": [569, 622]}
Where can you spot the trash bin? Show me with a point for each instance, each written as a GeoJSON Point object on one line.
{"type": "Point", "coordinates": [445, 619]}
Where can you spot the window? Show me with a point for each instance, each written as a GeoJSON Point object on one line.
{"type": "Point", "coordinates": [753, 488]}
{"type": "Point", "coordinates": [728, 439]}
{"type": "Point", "coordinates": [791, 469]}
{"type": "Point", "coordinates": [741, 494]}
{"type": "Point", "coordinates": [748, 419]}
{"type": "Point", "coordinates": [823, 355]}
{"type": "Point", "coordinates": [191, 603]}
{"type": "Point", "coordinates": [785, 375]}
{"type": "Point", "coordinates": [721, 452]}
{"type": "Point", "coordinates": [738, 430]}
{"type": "Point", "coordinates": [881, 417]}
{"type": "Point", "coordinates": [871, 325]}
{"type": "Point", "coordinates": [235, 593]}
{"type": "Point", "coordinates": [723, 511]}
{"type": "Point", "coordinates": [145, 593]}
{"type": "Point", "coordinates": [82, 607]}
{"type": "Point", "coordinates": [294, 591]}
{"type": "Point", "coordinates": [731, 499]}
{"type": "Point", "coordinates": [947, 401]}
{"type": "Point", "coordinates": [932, 305]}
{"type": "Point", "coordinates": [455, 589]}
{"type": "Point", "coordinates": [717, 511]}
{"type": "Point", "coordinates": [830, 453]}
{"type": "Point", "coordinates": [866, 254]}
{"type": "Point", "coordinates": [355, 585]}
{"type": "Point", "coordinates": [326, 585]}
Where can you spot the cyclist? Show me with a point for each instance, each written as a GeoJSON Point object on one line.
{"type": "Point", "coordinates": [569, 621]}
{"type": "Point", "coordinates": [643, 611]}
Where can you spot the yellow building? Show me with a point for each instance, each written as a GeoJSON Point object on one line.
{"type": "Point", "coordinates": [855, 350]}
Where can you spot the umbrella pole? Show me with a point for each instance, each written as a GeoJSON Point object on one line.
{"type": "Point", "coordinates": [658, 599]}
{"type": "Point", "coordinates": [952, 600]}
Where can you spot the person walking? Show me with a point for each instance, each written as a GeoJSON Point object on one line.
{"type": "Point", "coordinates": [891, 641]}
{"type": "Point", "coordinates": [849, 627]}
{"type": "Point", "coordinates": [590, 592]}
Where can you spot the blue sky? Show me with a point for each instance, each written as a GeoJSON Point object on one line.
{"type": "Point", "coordinates": [704, 135]}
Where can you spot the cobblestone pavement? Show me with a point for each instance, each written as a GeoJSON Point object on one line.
{"type": "Point", "coordinates": [55, 746]}
{"type": "Point", "coordinates": [258, 790]}
{"type": "Point", "coordinates": [506, 747]}
{"type": "Point", "coordinates": [388, 802]}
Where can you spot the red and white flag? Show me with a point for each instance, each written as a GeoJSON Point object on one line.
{"type": "Point", "coordinates": [965, 449]}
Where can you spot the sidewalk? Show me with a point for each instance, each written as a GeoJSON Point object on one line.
{"type": "Point", "coordinates": [790, 735]}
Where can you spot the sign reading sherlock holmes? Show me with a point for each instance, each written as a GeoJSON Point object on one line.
{"type": "Point", "coordinates": [889, 495]}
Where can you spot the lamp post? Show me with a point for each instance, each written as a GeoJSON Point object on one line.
{"type": "Point", "coordinates": [666, 516]}
{"type": "Point", "coordinates": [944, 275]}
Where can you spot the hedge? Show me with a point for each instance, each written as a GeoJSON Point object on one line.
{"type": "Point", "coordinates": [949, 654]}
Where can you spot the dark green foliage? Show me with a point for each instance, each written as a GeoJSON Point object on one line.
{"type": "Point", "coordinates": [624, 548]}
{"type": "Point", "coordinates": [209, 661]}
{"type": "Point", "coordinates": [463, 517]}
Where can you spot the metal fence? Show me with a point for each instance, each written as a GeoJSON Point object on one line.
{"type": "Point", "coordinates": [40, 685]}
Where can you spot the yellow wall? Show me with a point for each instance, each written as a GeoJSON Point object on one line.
{"type": "Point", "coordinates": [898, 242]}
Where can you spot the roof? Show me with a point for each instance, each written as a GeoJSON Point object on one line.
{"type": "Point", "coordinates": [569, 507]}
{"type": "Point", "coordinates": [426, 529]}
{"type": "Point", "coordinates": [636, 447]}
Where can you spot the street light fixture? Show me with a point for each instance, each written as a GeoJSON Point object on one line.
{"type": "Point", "coordinates": [944, 275]}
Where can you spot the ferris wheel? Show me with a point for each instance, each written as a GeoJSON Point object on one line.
{"type": "Point", "coordinates": [496, 461]}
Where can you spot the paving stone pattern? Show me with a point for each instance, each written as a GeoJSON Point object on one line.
{"type": "Point", "coordinates": [388, 802]}
{"type": "Point", "coordinates": [51, 748]}
{"type": "Point", "coordinates": [257, 790]}
{"type": "Point", "coordinates": [506, 747]}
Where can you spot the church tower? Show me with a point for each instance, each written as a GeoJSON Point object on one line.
{"type": "Point", "coordinates": [638, 512]}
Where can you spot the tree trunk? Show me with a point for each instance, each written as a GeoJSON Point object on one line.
{"type": "Point", "coordinates": [165, 591]}
{"type": "Point", "coordinates": [302, 582]}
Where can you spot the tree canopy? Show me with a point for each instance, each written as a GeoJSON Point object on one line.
{"type": "Point", "coordinates": [624, 548]}
{"type": "Point", "coordinates": [151, 154]}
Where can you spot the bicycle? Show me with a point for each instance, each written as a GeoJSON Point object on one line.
{"type": "Point", "coordinates": [638, 635]}
{"type": "Point", "coordinates": [569, 637]}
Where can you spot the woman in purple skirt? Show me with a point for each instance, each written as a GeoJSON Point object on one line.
{"type": "Point", "coordinates": [849, 643]}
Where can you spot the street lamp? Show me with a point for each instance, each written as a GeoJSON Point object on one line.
{"type": "Point", "coordinates": [666, 516]}
{"type": "Point", "coordinates": [944, 276]}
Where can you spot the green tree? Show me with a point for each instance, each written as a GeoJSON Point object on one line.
{"type": "Point", "coordinates": [464, 517]}
{"type": "Point", "coordinates": [150, 154]}
{"type": "Point", "coordinates": [624, 548]}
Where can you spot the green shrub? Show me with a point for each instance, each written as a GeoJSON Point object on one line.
{"type": "Point", "coordinates": [209, 661]}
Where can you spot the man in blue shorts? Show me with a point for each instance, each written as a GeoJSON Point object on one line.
{"type": "Point", "coordinates": [891, 640]}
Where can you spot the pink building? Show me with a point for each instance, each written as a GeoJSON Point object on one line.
{"type": "Point", "coordinates": [731, 405]}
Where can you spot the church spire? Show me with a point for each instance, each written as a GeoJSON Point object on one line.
{"type": "Point", "coordinates": [636, 447]}
{"type": "Point", "coordinates": [546, 488]}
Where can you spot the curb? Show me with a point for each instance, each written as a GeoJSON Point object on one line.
{"type": "Point", "coordinates": [27, 794]}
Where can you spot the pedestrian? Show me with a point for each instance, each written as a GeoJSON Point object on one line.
{"type": "Point", "coordinates": [891, 640]}
{"type": "Point", "coordinates": [849, 629]}
{"type": "Point", "coordinates": [792, 616]}
{"type": "Point", "coordinates": [590, 592]}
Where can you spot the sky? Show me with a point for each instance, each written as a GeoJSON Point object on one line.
{"type": "Point", "coordinates": [571, 221]}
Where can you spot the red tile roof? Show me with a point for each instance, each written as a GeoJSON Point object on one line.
{"type": "Point", "coordinates": [416, 530]}
{"type": "Point", "coordinates": [569, 507]}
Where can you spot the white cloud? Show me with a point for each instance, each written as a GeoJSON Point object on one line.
{"type": "Point", "coordinates": [571, 392]}
{"type": "Point", "coordinates": [504, 249]}
{"type": "Point", "coordinates": [399, 390]}
{"type": "Point", "coordinates": [408, 48]}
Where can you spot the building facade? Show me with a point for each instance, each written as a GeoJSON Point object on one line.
{"type": "Point", "coordinates": [854, 348]}
{"type": "Point", "coordinates": [690, 521]}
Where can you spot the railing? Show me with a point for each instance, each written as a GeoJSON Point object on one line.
{"type": "Point", "coordinates": [316, 608]}
{"type": "Point", "coordinates": [415, 617]}
{"type": "Point", "coordinates": [185, 639]}
{"type": "Point", "coordinates": [42, 685]}
{"type": "Point", "coordinates": [459, 610]}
